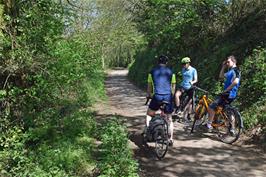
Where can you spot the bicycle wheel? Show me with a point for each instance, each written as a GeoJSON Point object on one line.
{"type": "Point", "coordinates": [200, 116]}
{"type": "Point", "coordinates": [161, 141]}
{"type": "Point", "coordinates": [231, 127]}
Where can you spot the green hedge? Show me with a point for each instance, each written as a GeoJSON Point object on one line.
{"type": "Point", "coordinates": [252, 96]}
{"type": "Point", "coordinates": [115, 154]}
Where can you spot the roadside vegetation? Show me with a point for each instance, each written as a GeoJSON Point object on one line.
{"type": "Point", "coordinates": [207, 32]}
{"type": "Point", "coordinates": [53, 55]}
{"type": "Point", "coordinates": [52, 60]}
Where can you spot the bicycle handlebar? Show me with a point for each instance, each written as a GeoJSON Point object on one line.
{"type": "Point", "coordinates": [147, 100]}
{"type": "Point", "coordinates": [207, 92]}
{"type": "Point", "coordinates": [200, 89]}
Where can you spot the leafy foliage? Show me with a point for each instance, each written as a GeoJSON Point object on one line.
{"type": "Point", "coordinates": [254, 69]}
{"type": "Point", "coordinates": [253, 92]}
{"type": "Point", "coordinates": [207, 32]}
{"type": "Point", "coordinates": [50, 74]}
{"type": "Point", "coordinates": [117, 33]}
{"type": "Point", "coordinates": [116, 156]}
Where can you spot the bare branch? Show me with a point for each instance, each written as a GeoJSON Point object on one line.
{"type": "Point", "coordinates": [6, 80]}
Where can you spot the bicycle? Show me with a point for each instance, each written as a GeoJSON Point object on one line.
{"type": "Point", "coordinates": [187, 104]}
{"type": "Point", "coordinates": [226, 118]}
{"type": "Point", "coordinates": [158, 132]}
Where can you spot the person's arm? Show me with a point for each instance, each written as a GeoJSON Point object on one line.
{"type": "Point", "coordinates": [221, 74]}
{"type": "Point", "coordinates": [195, 77]}
{"type": "Point", "coordinates": [235, 81]}
{"type": "Point", "coordinates": [173, 84]}
{"type": "Point", "coordinates": [150, 86]}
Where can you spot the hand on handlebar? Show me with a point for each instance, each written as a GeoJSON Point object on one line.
{"type": "Point", "coordinates": [147, 100]}
{"type": "Point", "coordinates": [224, 93]}
{"type": "Point", "coordinates": [148, 97]}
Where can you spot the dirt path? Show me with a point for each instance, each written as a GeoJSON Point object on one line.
{"type": "Point", "coordinates": [199, 155]}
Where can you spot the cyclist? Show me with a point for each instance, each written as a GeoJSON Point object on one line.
{"type": "Point", "coordinates": [161, 86]}
{"type": "Point", "coordinates": [231, 85]}
{"type": "Point", "coordinates": [189, 77]}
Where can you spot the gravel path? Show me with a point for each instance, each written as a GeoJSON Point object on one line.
{"type": "Point", "coordinates": [199, 155]}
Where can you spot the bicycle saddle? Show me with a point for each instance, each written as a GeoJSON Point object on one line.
{"type": "Point", "coordinates": [164, 102]}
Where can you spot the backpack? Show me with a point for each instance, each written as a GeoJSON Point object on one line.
{"type": "Point", "coordinates": [156, 128]}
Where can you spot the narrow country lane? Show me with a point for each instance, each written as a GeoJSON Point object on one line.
{"type": "Point", "coordinates": [199, 155]}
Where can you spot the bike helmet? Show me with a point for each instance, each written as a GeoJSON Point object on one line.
{"type": "Point", "coordinates": [185, 60]}
{"type": "Point", "coordinates": [163, 59]}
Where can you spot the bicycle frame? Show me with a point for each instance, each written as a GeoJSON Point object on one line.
{"type": "Point", "coordinates": [227, 120]}
{"type": "Point", "coordinates": [191, 100]}
{"type": "Point", "coordinates": [205, 101]}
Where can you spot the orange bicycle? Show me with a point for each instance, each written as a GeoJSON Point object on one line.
{"type": "Point", "coordinates": [226, 118]}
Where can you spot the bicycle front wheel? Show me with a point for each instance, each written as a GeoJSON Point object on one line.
{"type": "Point", "coordinates": [231, 129]}
{"type": "Point", "coordinates": [161, 141]}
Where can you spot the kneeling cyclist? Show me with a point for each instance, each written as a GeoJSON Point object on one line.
{"type": "Point", "coordinates": [161, 82]}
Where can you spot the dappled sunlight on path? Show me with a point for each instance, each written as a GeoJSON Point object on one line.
{"type": "Point", "coordinates": [199, 155]}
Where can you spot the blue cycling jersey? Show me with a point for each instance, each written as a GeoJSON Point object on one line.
{"type": "Point", "coordinates": [188, 75]}
{"type": "Point", "coordinates": [161, 77]}
{"type": "Point", "coordinates": [229, 78]}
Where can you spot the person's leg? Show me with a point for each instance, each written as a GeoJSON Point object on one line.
{"type": "Point", "coordinates": [231, 115]}
{"type": "Point", "coordinates": [150, 114]}
{"type": "Point", "coordinates": [232, 122]}
{"type": "Point", "coordinates": [171, 126]}
{"type": "Point", "coordinates": [177, 98]}
{"type": "Point", "coordinates": [187, 112]}
{"type": "Point", "coordinates": [190, 103]}
{"type": "Point", "coordinates": [153, 107]}
{"type": "Point", "coordinates": [168, 111]}
{"type": "Point", "coordinates": [211, 111]}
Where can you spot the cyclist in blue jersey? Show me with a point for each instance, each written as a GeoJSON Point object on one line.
{"type": "Point", "coordinates": [231, 85]}
{"type": "Point", "coordinates": [161, 87]}
{"type": "Point", "coordinates": [189, 77]}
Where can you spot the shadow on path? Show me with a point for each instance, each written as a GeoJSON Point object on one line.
{"type": "Point", "coordinates": [199, 155]}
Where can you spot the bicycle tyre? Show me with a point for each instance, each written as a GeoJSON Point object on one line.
{"type": "Point", "coordinates": [161, 141]}
{"type": "Point", "coordinates": [200, 114]}
{"type": "Point", "coordinates": [230, 137]}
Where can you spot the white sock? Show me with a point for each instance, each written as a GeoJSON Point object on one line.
{"type": "Point", "coordinates": [171, 126]}
{"type": "Point", "coordinates": [148, 119]}
{"type": "Point", "coordinates": [209, 124]}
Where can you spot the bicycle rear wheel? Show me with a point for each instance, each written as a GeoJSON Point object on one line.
{"type": "Point", "coordinates": [200, 116]}
{"type": "Point", "coordinates": [232, 126]}
{"type": "Point", "coordinates": [161, 141]}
